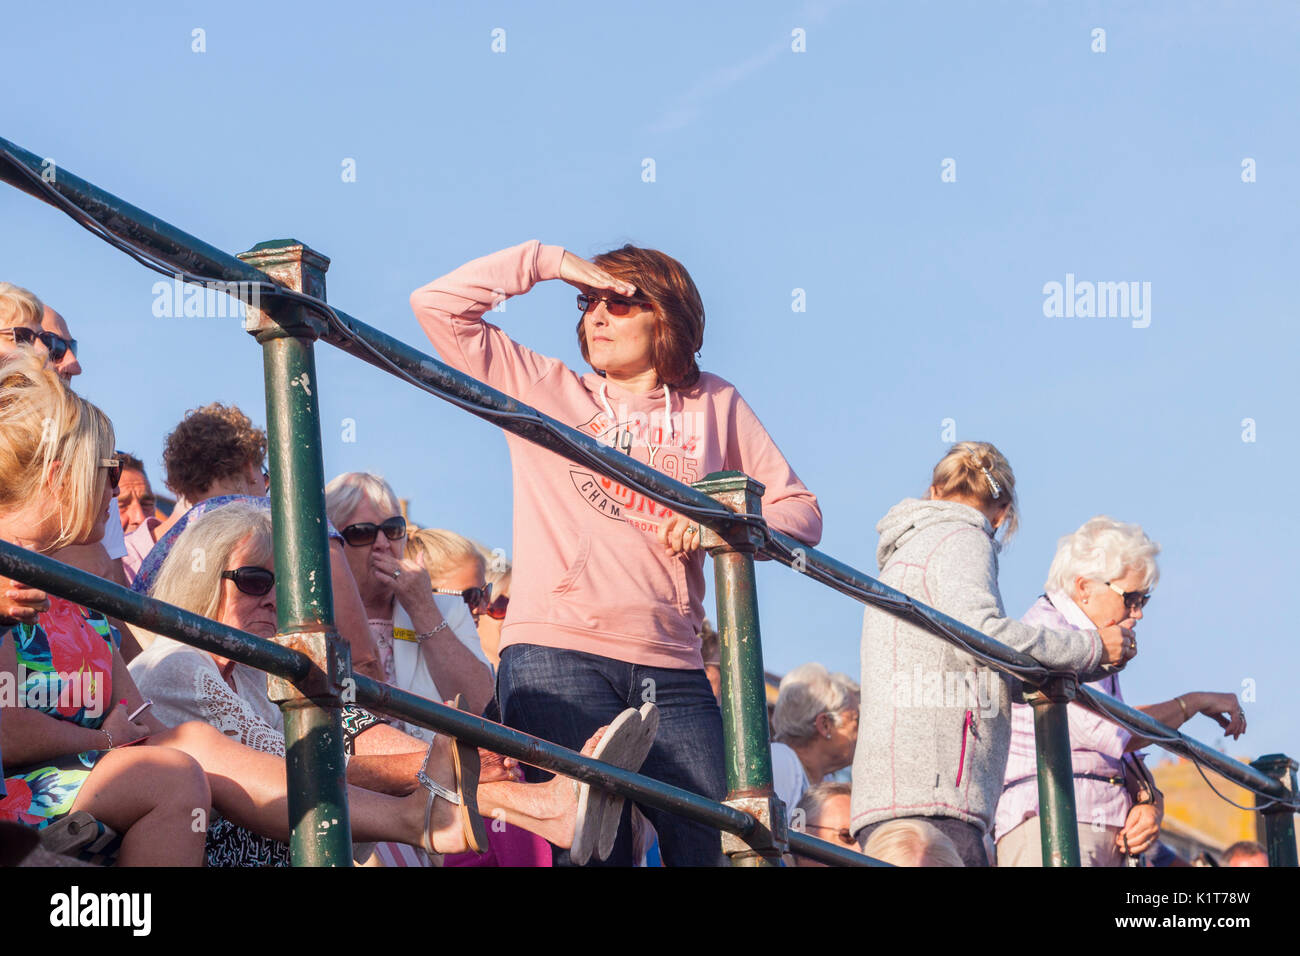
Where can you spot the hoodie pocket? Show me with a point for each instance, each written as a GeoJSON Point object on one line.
{"type": "Point", "coordinates": [576, 566]}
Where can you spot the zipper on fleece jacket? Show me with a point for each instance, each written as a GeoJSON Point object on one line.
{"type": "Point", "coordinates": [967, 724]}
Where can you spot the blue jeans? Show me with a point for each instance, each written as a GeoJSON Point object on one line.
{"type": "Point", "coordinates": [565, 696]}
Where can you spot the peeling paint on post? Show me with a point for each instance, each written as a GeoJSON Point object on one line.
{"type": "Point", "coordinates": [312, 716]}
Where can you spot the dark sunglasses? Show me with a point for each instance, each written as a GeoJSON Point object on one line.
{"type": "Point", "coordinates": [56, 346]}
{"type": "Point", "coordinates": [114, 466]}
{"type": "Point", "coordinates": [251, 580]}
{"type": "Point", "coordinates": [474, 597]}
{"type": "Point", "coordinates": [1133, 600]}
{"type": "Point", "coordinates": [617, 305]}
{"type": "Point", "coordinates": [360, 535]}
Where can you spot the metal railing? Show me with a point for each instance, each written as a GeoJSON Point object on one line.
{"type": "Point", "coordinates": [283, 286]}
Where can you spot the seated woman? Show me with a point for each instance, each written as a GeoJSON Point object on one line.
{"type": "Point", "coordinates": [235, 586]}
{"type": "Point", "coordinates": [814, 729]}
{"type": "Point", "coordinates": [68, 741]}
{"type": "Point", "coordinates": [1102, 575]}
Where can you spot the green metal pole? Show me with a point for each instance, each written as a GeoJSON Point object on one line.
{"type": "Point", "coordinates": [744, 693]}
{"type": "Point", "coordinates": [1057, 816]}
{"type": "Point", "coordinates": [321, 833]}
{"type": "Point", "coordinates": [1277, 824]}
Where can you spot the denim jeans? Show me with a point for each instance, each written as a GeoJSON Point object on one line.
{"type": "Point", "coordinates": [565, 696]}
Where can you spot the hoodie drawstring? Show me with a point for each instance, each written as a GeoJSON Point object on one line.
{"type": "Point", "coordinates": [618, 438]}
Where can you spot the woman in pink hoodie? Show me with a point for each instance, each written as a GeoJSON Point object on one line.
{"type": "Point", "coordinates": [607, 599]}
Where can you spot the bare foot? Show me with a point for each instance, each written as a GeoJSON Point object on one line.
{"type": "Point", "coordinates": [561, 802]}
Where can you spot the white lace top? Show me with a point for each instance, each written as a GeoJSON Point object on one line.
{"type": "Point", "coordinates": [184, 683]}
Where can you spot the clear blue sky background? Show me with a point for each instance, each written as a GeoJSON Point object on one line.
{"type": "Point", "coordinates": [775, 171]}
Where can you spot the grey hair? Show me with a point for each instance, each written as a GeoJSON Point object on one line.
{"type": "Point", "coordinates": [190, 578]}
{"type": "Point", "coordinates": [816, 797]}
{"type": "Point", "coordinates": [905, 842]}
{"type": "Point", "coordinates": [20, 306]}
{"type": "Point", "coordinates": [806, 693]}
{"type": "Point", "coordinates": [1103, 549]}
{"type": "Point", "coordinates": [345, 494]}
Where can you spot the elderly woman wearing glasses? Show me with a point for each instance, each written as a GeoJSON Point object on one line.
{"type": "Point", "coordinates": [427, 642]}
{"type": "Point", "coordinates": [1102, 575]}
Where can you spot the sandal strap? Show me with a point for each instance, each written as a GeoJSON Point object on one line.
{"type": "Point", "coordinates": [433, 786]}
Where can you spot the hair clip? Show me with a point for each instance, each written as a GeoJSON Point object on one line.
{"type": "Point", "coordinates": [993, 485]}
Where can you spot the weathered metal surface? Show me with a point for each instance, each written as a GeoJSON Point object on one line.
{"type": "Point", "coordinates": [769, 836]}
{"type": "Point", "coordinates": [1057, 818]}
{"type": "Point", "coordinates": [321, 832]}
{"type": "Point", "coordinates": [1276, 824]}
{"type": "Point", "coordinates": [744, 690]}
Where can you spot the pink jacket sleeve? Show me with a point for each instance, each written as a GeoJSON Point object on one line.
{"type": "Point", "coordinates": [451, 309]}
{"type": "Point", "coordinates": [788, 506]}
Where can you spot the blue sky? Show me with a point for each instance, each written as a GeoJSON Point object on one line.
{"type": "Point", "coordinates": [774, 171]}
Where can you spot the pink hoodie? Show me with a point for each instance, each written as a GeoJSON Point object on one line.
{"type": "Point", "coordinates": [589, 574]}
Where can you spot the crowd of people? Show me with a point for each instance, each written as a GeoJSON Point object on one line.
{"type": "Point", "coordinates": [594, 638]}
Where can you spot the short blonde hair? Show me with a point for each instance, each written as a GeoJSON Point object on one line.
{"type": "Point", "coordinates": [443, 551]}
{"type": "Point", "coordinates": [977, 470]}
{"type": "Point", "coordinates": [46, 428]}
{"type": "Point", "coordinates": [912, 843]}
{"type": "Point", "coordinates": [344, 495]}
{"type": "Point", "coordinates": [190, 578]}
{"type": "Point", "coordinates": [19, 306]}
{"type": "Point", "coordinates": [1103, 549]}
{"type": "Point", "coordinates": [497, 568]}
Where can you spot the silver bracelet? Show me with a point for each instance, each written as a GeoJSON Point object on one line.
{"type": "Point", "coordinates": [421, 638]}
{"type": "Point", "coordinates": [111, 745]}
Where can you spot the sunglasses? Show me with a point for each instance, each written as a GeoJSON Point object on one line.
{"type": "Point", "coordinates": [616, 305]}
{"type": "Point", "coordinates": [55, 345]}
{"type": "Point", "coordinates": [474, 597]}
{"type": "Point", "coordinates": [114, 466]}
{"type": "Point", "coordinates": [497, 608]}
{"type": "Point", "coordinates": [251, 580]}
{"type": "Point", "coordinates": [1133, 600]}
{"type": "Point", "coordinates": [364, 533]}
{"type": "Point", "coordinates": [842, 833]}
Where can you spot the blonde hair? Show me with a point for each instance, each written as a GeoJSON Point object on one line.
{"type": "Point", "coordinates": [443, 551]}
{"type": "Point", "coordinates": [1103, 549]}
{"type": "Point", "coordinates": [344, 495]}
{"type": "Point", "coordinates": [190, 577]}
{"type": "Point", "coordinates": [18, 306]}
{"type": "Point", "coordinates": [46, 428]}
{"type": "Point", "coordinates": [497, 569]}
{"type": "Point", "coordinates": [912, 843]}
{"type": "Point", "coordinates": [977, 470]}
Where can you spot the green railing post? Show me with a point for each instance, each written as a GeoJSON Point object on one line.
{"type": "Point", "coordinates": [1057, 817]}
{"type": "Point", "coordinates": [318, 807]}
{"type": "Point", "coordinates": [1276, 825]}
{"type": "Point", "coordinates": [744, 690]}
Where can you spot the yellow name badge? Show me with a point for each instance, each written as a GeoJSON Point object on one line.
{"type": "Point", "coordinates": [404, 634]}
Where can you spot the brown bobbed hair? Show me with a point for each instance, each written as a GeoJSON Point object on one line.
{"type": "Point", "coordinates": [679, 331]}
{"type": "Point", "coordinates": [210, 444]}
{"type": "Point", "coordinates": [971, 470]}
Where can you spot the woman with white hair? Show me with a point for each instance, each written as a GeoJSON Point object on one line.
{"type": "Point", "coordinates": [1102, 575]}
{"type": "Point", "coordinates": [814, 729]}
{"type": "Point", "coordinates": [427, 642]}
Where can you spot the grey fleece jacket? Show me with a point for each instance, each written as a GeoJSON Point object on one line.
{"type": "Point", "coordinates": [936, 725]}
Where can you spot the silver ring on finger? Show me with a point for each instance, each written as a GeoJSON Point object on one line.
{"type": "Point", "coordinates": [396, 575]}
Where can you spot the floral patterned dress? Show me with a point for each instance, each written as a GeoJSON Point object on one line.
{"type": "Point", "coordinates": [65, 670]}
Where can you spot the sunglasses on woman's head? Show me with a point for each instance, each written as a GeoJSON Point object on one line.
{"type": "Point", "coordinates": [55, 345]}
{"type": "Point", "coordinates": [251, 580]}
{"type": "Point", "coordinates": [364, 533]}
{"type": "Point", "coordinates": [617, 305]}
